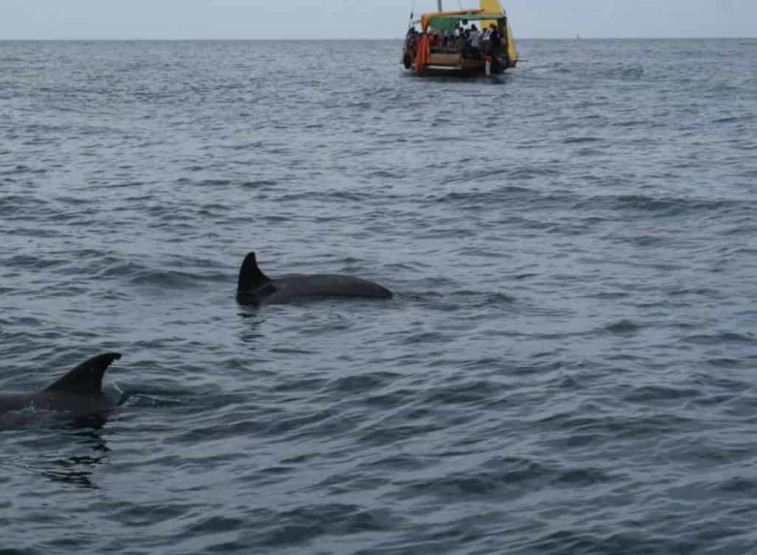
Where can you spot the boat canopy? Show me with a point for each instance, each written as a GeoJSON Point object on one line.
{"type": "Point", "coordinates": [447, 21]}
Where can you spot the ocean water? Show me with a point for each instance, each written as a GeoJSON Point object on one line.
{"type": "Point", "coordinates": [569, 364]}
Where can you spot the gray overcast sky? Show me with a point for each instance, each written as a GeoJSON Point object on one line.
{"type": "Point", "coordinates": [258, 19]}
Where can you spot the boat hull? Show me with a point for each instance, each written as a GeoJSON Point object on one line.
{"type": "Point", "coordinates": [454, 65]}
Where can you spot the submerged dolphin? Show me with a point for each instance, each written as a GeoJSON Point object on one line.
{"type": "Point", "coordinates": [255, 288]}
{"type": "Point", "coordinates": [78, 393]}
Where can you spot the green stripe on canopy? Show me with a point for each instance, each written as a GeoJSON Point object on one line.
{"type": "Point", "coordinates": [449, 22]}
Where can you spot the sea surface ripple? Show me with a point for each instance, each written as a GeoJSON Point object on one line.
{"type": "Point", "coordinates": [568, 366]}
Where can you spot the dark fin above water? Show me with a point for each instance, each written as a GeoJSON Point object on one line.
{"type": "Point", "coordinates": [250, 276]}
{"type": "Point", "coordinates": [87, 378]}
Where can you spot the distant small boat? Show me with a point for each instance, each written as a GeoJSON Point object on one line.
{"type": "Point", "coordinates": [451, 43]}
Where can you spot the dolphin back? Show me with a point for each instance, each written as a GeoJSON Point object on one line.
{"type": "Point", "coordinates": [324, 285]}
{"type": "Point", "coordinates": [255, 288]}
{"type": "Point", "coordinates": [87, 378]}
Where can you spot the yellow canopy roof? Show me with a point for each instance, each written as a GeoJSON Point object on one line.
{"type": "Point", "coordinates": [426, 17]}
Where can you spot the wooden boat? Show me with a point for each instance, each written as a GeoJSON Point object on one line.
{"type": "Point", "coordinates": [441, 47]}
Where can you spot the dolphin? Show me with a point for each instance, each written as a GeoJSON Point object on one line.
{"type": "Point", "coordinates": [78, 393]}
{"type": "Point", "coordinates": [255, 288]}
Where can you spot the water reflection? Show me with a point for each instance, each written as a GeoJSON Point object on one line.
{"type": "Point", "coordinates": [251, 333]}
{"type": "Point", "coordinates": [86, 449]}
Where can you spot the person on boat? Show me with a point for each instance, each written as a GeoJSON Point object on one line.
{"type": "Point", "coordinates": [460, 38]}
{"type": "Point", "coordinates": [495, 54]}
{"type": "Point", "coordinates": [449, 39]}
{"type": "Point", "coordinates": [495, 40]}
{"type": "Point", "coordinates": [433, 39]}
{"type": "Point", "coordinates": [465, 43]}
{"type": "Point", "coordinates": [502, 48]}
{"type": "Point", "coordinates": [411, 47]}
{"type": "Point", "coordinates": [410, 38]}
{"type": "Point", "coordinates": [487, 35]}
{"type": "Point", "coordinates": [496, 37]}
{"type": "Point", "coordinates": [474, 41]}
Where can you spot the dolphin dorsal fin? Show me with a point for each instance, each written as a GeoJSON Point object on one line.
{"type": "Point", "coordinates": [87, 378]}
{"type": "Point", "coordinates": [250, 276]}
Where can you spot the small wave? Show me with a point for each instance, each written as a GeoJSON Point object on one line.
{"type": "Point", "coordinates": [364, 383]}
{"type": "Point", "coordinates": [304, 524]}
{"type": "Point", "coordinates": [589, 543]}
{"type": "Point", "coordinates": [508, 478]}
{"type": "Point", "coordinates": [617, 426]}
{"type": "Point", "coordinates": [480, 298]}
{"type": "Point", "coordinates": [722, 338]}
{"type": "Point", "coordinates": [623, 327]}
{"type": "Point", "coordinates": [582, 140]}
{"type": "Point", "coordinates": [656, 393]}
{"type": "Point", "coordinates": [214, 182]}
{"type": "Point", "coordinates": [475, 392]}
{"type": "Point", "coordinates": [659, 206]}
{"type": "Point", "coordinates": [484, 197]}
{"type": "Point", "coordinates": [258, 184]}
{"type": "Point", "coordinates": [22, 169]}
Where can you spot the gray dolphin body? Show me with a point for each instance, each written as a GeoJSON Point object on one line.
{"type": "Point", "coordinates": [77, 394]}
{"type": "Point", "coordinates": [255, 288]}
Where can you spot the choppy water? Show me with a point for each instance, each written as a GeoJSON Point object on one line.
{"type": "Point", "coordinates": [569, 365]}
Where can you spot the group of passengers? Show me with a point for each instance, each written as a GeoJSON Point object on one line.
{"type": "Point", "coordinates": [470, 42]}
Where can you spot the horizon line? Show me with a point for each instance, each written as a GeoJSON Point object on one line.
{"type": "Point", "coordinates": [300, 39]}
